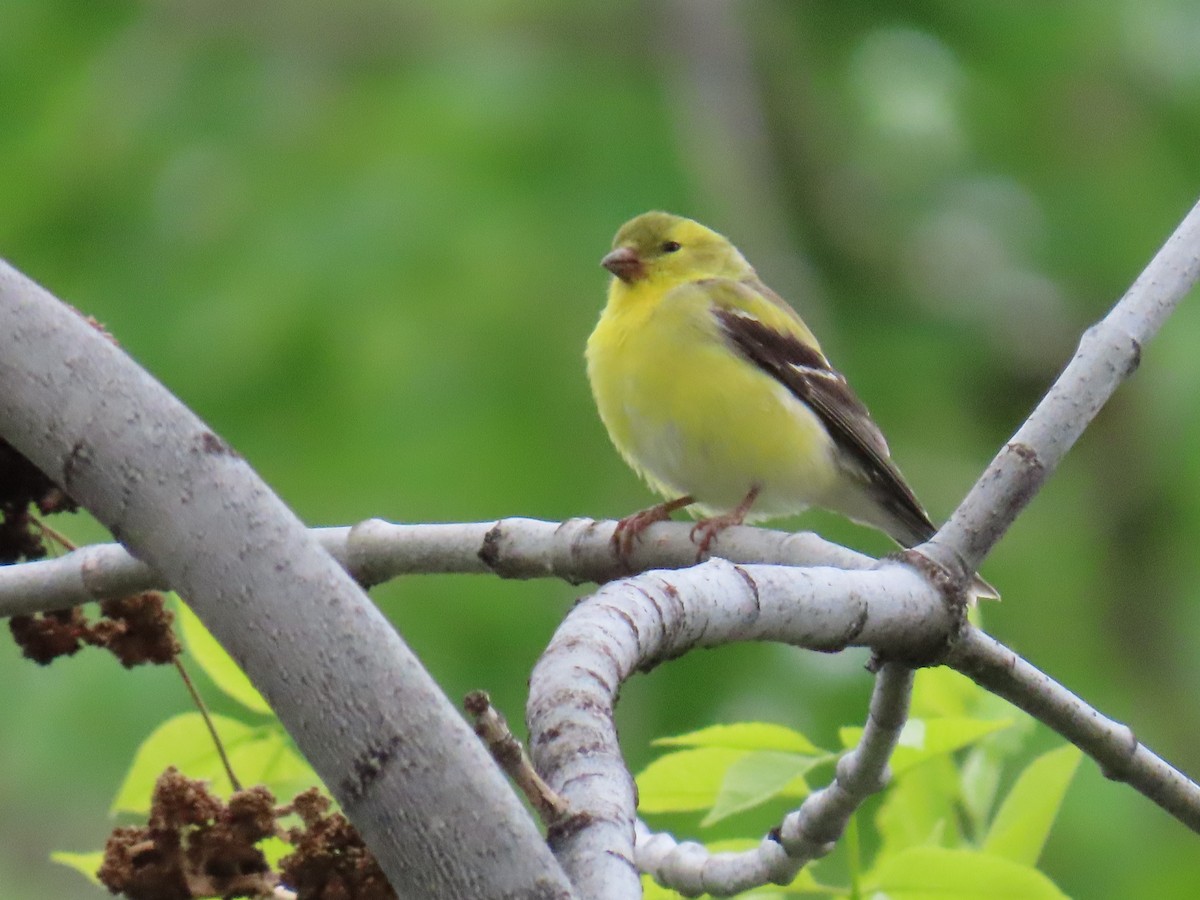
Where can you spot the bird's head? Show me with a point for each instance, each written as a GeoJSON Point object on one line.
{"type": "Point", "coordinates": [658, 246]}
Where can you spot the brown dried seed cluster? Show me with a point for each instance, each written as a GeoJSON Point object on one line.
{"type": "Point", "coordinates": [330, 861]}
{"type": "Point", "coordinates": [135, 629]}
{"type": "Point", "coordinates": [22, 485]}
{"type": "Point", "coordinates": [195, 845]}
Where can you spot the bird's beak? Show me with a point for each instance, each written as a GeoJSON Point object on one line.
{"type": "Point", "coordinates": [625, 263]}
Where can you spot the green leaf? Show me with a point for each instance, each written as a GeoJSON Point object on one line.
{"type": "Point", "coordinates": [922, 739]}
{"type": "Point", "coordinates": [86, 864]}
{"type": "Point", "coordinates": [275, 849]}
{"type": "Point", "coordinates": [919, 808]}
{"type": "Point", "coordinates": [260, 755]}
{"type": "Point", "coordinates": [980, 781]}
{"type": "Point", "coordinates": [1023, 821]}
{"type": "Point", "coordinates": [803, 883]}
{"type": "Point", "coordinates": [184, 742]}
{"type": "Point", "coordinates": [943, 692]}
{"type": "Point", "coordinates": [744, 736]}
{"type": "Point", "coordinates": [686, 780]}
{"type": "Point", "coordinates": [652, 890]}
{"type": "Point", "coordinates": [756, 778]}
{"type": "Point", "coordinates": [218, 664]}
{"type": "Point", "coordinates": [271, 760]}
{"type": "Point", "coordinates": [935, 873]}
{"type": "Point", "coordinates": [700, 778]}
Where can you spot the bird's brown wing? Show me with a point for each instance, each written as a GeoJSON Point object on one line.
{"type": "Point", "coordinates": [805, 372]}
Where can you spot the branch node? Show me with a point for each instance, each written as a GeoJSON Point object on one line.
{"type": "Point", "coordinates": [489, 550]}
{"type": "Point", "coordinates": [1135, 357]}
{"type": "Point", "coordinates": [953, 587]}
{"type": "Point", "coordinates": [1117, 768]}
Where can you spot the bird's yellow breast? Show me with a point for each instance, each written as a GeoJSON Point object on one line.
{"type": "Point", "coordinates": [692, 416]}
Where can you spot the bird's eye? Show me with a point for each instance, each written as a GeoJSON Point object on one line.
{"type": "Point", "coordinates": [670, 246]}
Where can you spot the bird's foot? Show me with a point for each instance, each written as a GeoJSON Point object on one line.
{"type": "Point", "coordinates": [709, 529]}
{"type": "Point", "coordinates": [629, 529]}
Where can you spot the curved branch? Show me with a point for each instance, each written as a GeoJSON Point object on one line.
{"type": "Point", "coordinates": [369, 718]}
{"type": "Point", "coordinates": [806, 834]}
{"type": "Point", "coordinates": [577, 550]}
{"type": "Point", "coordinates": [632, 625]}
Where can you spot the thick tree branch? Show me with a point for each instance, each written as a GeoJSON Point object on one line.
{"type": "Point", "coordinates": [372, 722]}
{"type": "Point", "coordinates": [97, 424]}
{"type": "Point", "coordinates": [576, 550]}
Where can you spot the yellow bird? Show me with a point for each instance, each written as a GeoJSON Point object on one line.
{"type": "Point", "coordinates": [715, 391]}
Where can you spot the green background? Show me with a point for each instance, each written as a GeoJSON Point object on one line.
{"type": "Point", "coordinates": [361, 240]}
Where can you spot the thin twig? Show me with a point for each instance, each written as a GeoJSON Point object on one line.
{"type": "Point", "coordinates": [493, 730]}
{"type": "Point", "coordinates": [1120, 755]}
{"type": "Point", "coordinates": [208, 722]}
{"type": "Point", "coordinates": [57, 536]}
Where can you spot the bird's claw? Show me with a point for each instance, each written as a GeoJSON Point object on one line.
{"type": "Point", "coordinates": [629, 529]}
{"type": "Point", "coordinates": [709, 530]}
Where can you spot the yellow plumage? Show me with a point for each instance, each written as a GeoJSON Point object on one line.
{"type": "Point", "coordinates": [715, 391]}
{"type": "Point", "coordinates": [694, 418]}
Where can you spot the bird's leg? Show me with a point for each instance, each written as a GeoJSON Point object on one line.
{"type": "Point", "coordinates": [708, 529]}
{"type": "Point", "coordinates": [630, 528]}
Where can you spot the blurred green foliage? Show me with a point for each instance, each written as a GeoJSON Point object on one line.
{"type": "Point", "coordinates": [361, 240]}
{"type": "Point", "coordinates": [939, 830]}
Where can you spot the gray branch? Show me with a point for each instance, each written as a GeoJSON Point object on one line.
{"type": "Point", "coordinates": [632, 625]}
{"type": "Point", "coordinates": [369, 718]}
{"type": "Point", "coordinates": [1108, 354]}
{"type": "Point", "coordinates": [580, 550]}
{"type": "Point", "coordinates": [202, 522]}
{"type": "Point", "coordinates": [1121, 756]}
{"type": "Point", "coordinates": [374, 551]}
